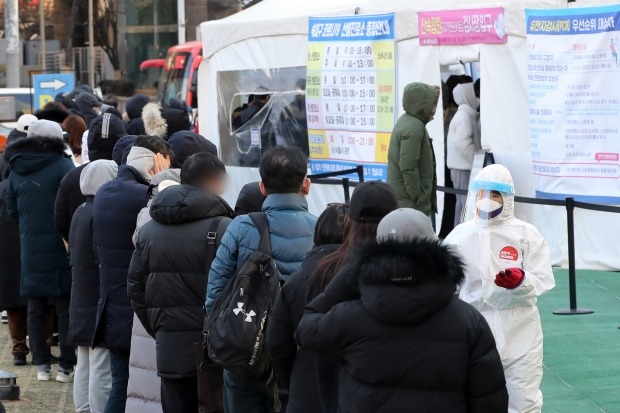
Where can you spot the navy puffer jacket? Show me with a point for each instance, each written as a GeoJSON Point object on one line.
{"type": "Point", "coordinates": [115, 210]}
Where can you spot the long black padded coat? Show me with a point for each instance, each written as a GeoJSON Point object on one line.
{"type": "Point", "coordinates": [9, 255]}
{"type": "Point", "coordinates": [167, 280]}
{"type": "Point", "coordinates": [407, 343]}
{"type": "Point", "coordinates": [296, 369]}
{"type": "Point", "coordinates": [115, 210]}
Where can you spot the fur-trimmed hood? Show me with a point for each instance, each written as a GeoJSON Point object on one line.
{"type": "Point", "coordinates": [406, 282]}
{"type": "Point", "coordinates": [28, 155]}
{"type": "Point", "coordinates": [154, 123]}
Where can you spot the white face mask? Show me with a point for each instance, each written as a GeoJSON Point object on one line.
{"type": "Point", "coordinates": [488, 206]}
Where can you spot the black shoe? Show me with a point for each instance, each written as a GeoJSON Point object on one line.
{"type": "Point", "coordinates": [19, 360]}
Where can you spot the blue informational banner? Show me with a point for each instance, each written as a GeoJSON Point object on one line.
{"type": "Point", "coordinates": [47, 85]}
{"type": "Point", "coordinates": [574, 102]}
{"type": "Point", "coordinates": [351, 93]}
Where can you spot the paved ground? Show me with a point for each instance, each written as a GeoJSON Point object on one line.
{"type": "Point", "coordinates": [582, 366]}
{"type": "Point", "coordinates": [36, 397]}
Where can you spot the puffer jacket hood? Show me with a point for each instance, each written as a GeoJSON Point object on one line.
{"type": "Point", "coordinates": [464, 94]}
{"type": "Point", "coordinates": [143, 160]}
{"type": "Point", "coordinates": [419, 99]}
{"type": "Point", "coordinates": [26, 156]}
{"type": "Point", "coordinates": [96, 174]}
{"type": "Point", "coordinates": [15, 134]}
{"type": "Point", "coordinates": [185, 203]}
{"type": "Point", "coordinates": [135, 105]}
{"type": "Point", "coordinates": [186, 143]}
{"type": "Point", "coordinates": [406, 282]}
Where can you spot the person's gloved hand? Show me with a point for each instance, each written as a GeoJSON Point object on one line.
{"type": "Point", "coordinates": [509, 278]}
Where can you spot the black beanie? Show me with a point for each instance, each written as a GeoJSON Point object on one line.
{"type": "Point", "coordinates": [104, 132]}
{"type": "Point", "coordinates": [185, 144]}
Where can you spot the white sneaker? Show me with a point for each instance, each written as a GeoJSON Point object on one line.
{"type": "Point", "coordinates": [5, 318]}
{"type": "Point", "coordinates": [44, 373]}
{"type": "Point", "coordinates": [65, 376]}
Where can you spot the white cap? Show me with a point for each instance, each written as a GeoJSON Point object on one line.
{"type": "Point", "coordinates": [24, 121]}
{"type": "Point", "coordinates": [405, 224]}
{"type": "Point", "coordinates": [44, 129]}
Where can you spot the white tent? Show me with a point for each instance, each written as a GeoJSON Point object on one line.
{"type": "Point", "coordinates": [273, 34]}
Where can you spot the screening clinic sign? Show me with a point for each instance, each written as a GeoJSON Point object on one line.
{"type": "Point", "coordinates": [460, 27]}
{"type": "Point", "coordinates": [574, 102]}
{"type": "Point", "coordinates": [350, 93]}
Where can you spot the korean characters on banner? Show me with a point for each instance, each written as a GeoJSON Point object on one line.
{"type": "Point", "coordinates": [351, 93]}
{"type": "Point", "coordinates": [574, 102]}
{"type": "Point", "coordinates": [460, 27]}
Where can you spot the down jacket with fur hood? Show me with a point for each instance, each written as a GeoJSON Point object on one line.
{"type": "Point", "coordinates": [406, 342]}
{"type": "Point", "coordinates": [37, 166]}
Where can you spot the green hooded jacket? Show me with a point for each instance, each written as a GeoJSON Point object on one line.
{"type": "Point", "coordinates": [411, 160]}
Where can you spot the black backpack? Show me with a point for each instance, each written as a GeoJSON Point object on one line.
{"type": "Point", "coordinates": [238, 320]}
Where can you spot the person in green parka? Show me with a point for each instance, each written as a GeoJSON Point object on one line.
{"type": "Point", "coordinates": [38, 163]}
{"type": "Point", "coordinates": [411, 160]}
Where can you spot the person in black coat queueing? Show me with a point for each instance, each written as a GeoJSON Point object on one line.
{"type": "Point", "coordinates": [168, 273]}
{"type": "Point", "coordinates": [104, 132]}
{"type": "Point", "coordinates": [402, 337]}
{"type": "Point", "coordinates": [296, 368]}
{"type": "Point", "coordinates": [93, 377]}
{"type": "Point", "coordinates": [115, 210]}
{"type": "Point", "coordinates": [38, 163]}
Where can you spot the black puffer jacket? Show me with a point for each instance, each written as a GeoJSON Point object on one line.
{"type": "Point", "coordinates": [9, 256]}
{"type": "Point", "coordinates": [115, 210]}
{"type": "Point", "coordinates": [408, 342]}
{"type": "Point", "coordinates": [295, 368]}
{"type": "Point", "coordinates": [68, 199]}
{"type": "Point", "coordinates": [167, 278]}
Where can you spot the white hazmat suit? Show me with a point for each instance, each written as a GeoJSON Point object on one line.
{"type": "Point", "coordinates": [493, 244]}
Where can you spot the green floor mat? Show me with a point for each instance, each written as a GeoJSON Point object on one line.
{"type": "Point", "coordinates": [582, 352]}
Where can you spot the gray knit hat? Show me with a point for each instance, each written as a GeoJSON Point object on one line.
{"type": "Point", "coordinates": [405, 224]}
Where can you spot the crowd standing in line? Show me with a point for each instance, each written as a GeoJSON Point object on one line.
{"type": "Point", "coordinates": [117, 230]}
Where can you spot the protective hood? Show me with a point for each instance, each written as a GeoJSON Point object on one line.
{"type": "Point", "coordinates": [492, 178]}
{"type": "Point", "coordinates": [96, 174]}
{"type": "Point", "coordinates": [185, 203]}
{"type": "Point", "coordinates": [464, 94]}
{"type": "Point", "coordinates": [135, 105]}
{"type": "Point", "coordinates": [26, 156]}
{"type": "Point", "coordinates": [143, 160]}
{"type": "Point", "coordinates": [419, 99]}
{"type": "Point", "coordinates": [406, 282]}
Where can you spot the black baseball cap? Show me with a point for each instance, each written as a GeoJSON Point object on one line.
{"type": "Point", "coordinates": [371, 201]}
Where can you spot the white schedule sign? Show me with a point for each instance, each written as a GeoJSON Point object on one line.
{"type": "Point", "coordinates": [350, 93]}
{"type": "Point", "coordinates": [574, 102]}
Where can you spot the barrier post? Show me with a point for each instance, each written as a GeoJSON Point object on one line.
{"type": "Point", "coordinates": [572, 272]}
{"type": "Point", "coordinates": [347, 191]}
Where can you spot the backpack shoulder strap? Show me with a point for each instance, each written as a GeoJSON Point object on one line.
{"type": "Point", "coordinates": [262, 225]}
{"type": "Point", "coordinates": [211, 241]}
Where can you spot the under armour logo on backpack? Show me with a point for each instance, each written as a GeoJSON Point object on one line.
{"type": "Point", "coordinates": [248, 316]}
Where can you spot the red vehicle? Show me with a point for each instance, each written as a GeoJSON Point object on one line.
{"type": "Point", "coordinates": [179, 75]}
{"type": "Point", "coordinates": [150, 71]}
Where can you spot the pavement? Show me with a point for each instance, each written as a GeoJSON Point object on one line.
{"type": "Point", "coordinates": [581, 363]}
{"type": "Point", "coordinates": [36, 396]}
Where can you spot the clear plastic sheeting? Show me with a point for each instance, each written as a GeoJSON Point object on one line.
{"type": "Point", "coordinates": [260, 109]}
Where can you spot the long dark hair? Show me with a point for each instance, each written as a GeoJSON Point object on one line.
{"type": "Point", "coordinates": [330, 225]}
{"type": "Point", "coordinates": [354, 233]}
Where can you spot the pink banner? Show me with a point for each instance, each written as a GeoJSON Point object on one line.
{"type": "Point", "coordinates": [458, 27]}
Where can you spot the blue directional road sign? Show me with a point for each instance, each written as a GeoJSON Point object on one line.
{"type": "Point", "coordinates": [48, 85]}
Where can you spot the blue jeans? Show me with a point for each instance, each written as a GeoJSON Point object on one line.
{"type": "Point", "coordinates": [248, 395]}
{"type": "Point", "coordinates": [120, 376]}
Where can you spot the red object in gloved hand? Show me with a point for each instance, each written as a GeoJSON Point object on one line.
{"type": "Point", "coordinates": [509, 278]}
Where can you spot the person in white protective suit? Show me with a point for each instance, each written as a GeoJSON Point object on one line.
{"type": "Point", "coordinates": [507, 268]}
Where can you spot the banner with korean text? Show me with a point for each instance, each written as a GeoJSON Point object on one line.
{"type": "Point", "coordinates": [351, 93]}
{"type": "Point", "coordinates": [460, 27]}
{"type": "Point", "coordinates": [574, 102]}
